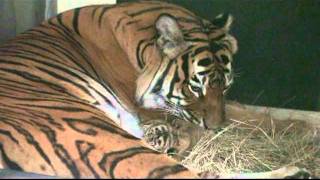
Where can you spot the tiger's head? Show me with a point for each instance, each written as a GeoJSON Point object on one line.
{"type": "Point", "coordinates": [196, 68]}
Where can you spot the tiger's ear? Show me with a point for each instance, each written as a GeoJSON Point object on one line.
{"type": "Point", "coordinates": [223, 21]}
{"type": "Point", "coordinates": [170, 38]}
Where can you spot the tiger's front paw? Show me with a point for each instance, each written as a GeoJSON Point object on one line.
{"type": "Point", "coordinates": [175, 138]}
{"type": "Point", "coordinates": [159, 136]}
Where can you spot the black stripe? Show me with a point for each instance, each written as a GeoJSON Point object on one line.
{"type": "Point", "coordinates": [107, 87]}
{"type": "Point", "coordinates": [32, 115]}
{"type": "Point", "coordinates": [84, 153]}
{"type": "Point", "coordinates": [31, 91]}
{"type": "Point", "coordinates": [48, 100]}
{"type": "Point", "coordinates": [27, 99]}
{"type": "Point", "coordinates": [9, 135]}
{"type": "Point", "coordinates": [117, 156]}
{"type": "Point", "coordinates": [66, 70]}
{"type": "Point", "coordinates": [51, 40]}
{"type": "Point", "coordinates": [93, 13]}
{"type": "Point", "coordinates": [2, 61]}
{"type": "Point", "coordinates": [66, 34]}
{"type": "Point", "coordinates": [187, 32]}
{"type": "Point", "coordinates": [201, 49]}
{"type": "Point", "coordinates": [75, 20]}
{"type": "Point", "coordinates": [164, 171]}
{"type": "Point", "coordinates": [133, 22]}
{"type": "Point", "coordinates": [151, 43]}
{"type": "Point", "coordinates": [56, 46]}
{"type": "Point", "coordinates": [204, 72]}
{"type": "Point", "coordinates": [59, 77]}
{"type": "Point", "coordinates": [176, 97]}
{"type": "Point", "coordinates": [218, 37]}
{"type": "Point", "coordinates": [174, 80]}
{"type": "Point", "coordinates": [106, 100]}
{"type": "Point", "coordinates": [104, 10]}
{"type": "Point", "coordinates": [62, 108]}
{"type": "Point", "coordinates": [160, 81]}
{"type": "Point", "coordinates": [185, 66]}
{"type": "Point", "coordinates": [46, 50]}
{"type": "Point", "coordinates": [59, 150]}
{"type": "Point", "coordinates": [37, 47]}
{"type": "Point", "coordinates": [145, 28]}
{"type": "Point", "coordinates": [119, 22]}
{"type": "Point", "coordinates": [14, 83]}
{"type": "Point", "coordinates": [43, 115]}
{"type": "Point", "coordinates": [139, 59]}
{"type": "Point", "coordinates": [34, 78]}
{"type": "Point", "coordinates": [140, 51]}
{"type": "Point", "coordinates": [59, 18]}
{"type": "Point", "coordinates": [80, 49]}
{"type": "Point", "coordinates": [225, 59]}
{"type": "Point", "coordinates": [215, 47]}
{"type": "Point", "coordinates": [195, 79]}
{"type": "Point", "coordinates": [205, 62]}
{"type": "Point", "coordinates": [11, 164]}
{"type": "Point", "coordinates": [82, 130]}
{"type": "Point", "coordinates": [101, 124]}
{"type": "Point", "coordinates": [191, 118]}
{"type": "Point", "coordinates": [30, 139]}
{"type": "Point", "coordinates": [8, 89]}
{"type": "Point", "coordinates": [189, 20]}
{"type": "Point", "coordinates": [26, 54]}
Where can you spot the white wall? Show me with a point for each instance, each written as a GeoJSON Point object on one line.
{"type": "Point", "coordinates": [64, 5]}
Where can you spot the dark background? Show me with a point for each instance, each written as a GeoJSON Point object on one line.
{"type": "Point", "coordinates": [278, 61]}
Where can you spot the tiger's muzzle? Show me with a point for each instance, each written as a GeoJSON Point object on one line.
{"type": "Point", "coordinates": [210, 109]}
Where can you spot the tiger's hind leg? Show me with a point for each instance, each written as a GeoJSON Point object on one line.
{"type": "Point", "coordinates": [74, 139]}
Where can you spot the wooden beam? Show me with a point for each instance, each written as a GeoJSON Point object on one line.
{"type": "Point", "coordinates": [235, 110]}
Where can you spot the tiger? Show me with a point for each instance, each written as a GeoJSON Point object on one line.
{"type": "Point", "coordinates": [174, 66]}
{"type": "Point", "coordinates": [86, 94]}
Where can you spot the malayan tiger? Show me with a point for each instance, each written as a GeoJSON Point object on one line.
{"type": "Point", "coordinates": [80, 91]}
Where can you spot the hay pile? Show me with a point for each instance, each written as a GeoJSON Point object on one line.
{"type": "Point", "coordinates": [242, 147]}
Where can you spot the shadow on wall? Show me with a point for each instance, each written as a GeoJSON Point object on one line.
{"type": "Point", "coordinates": [64, 5]}
{"type": "Point", "coordinates": [278, 60]}
{"type": "Point", "coordinates": [20, 15]}
{"type": "Point", "coordinates": [17, 16]}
